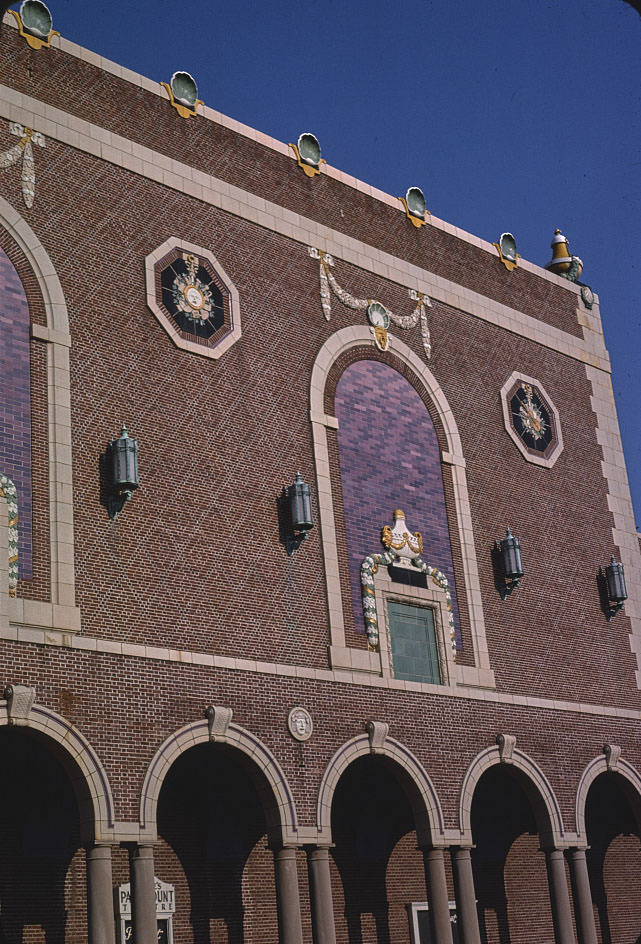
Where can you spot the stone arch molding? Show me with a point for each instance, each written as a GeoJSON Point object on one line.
{"type": "Point", "coordinates": [81, 762]}
{"type": "Point", "coordinates": [56, 336]}
{"type": "Point", "coordinates": [551, 828]}
{"type": "Point", "coordinates": [428, 814]}
{"type": "Point", "coordinates": [273, 788]}
{"type": "Point", "coordinates": [608, 762]}
{"type": "Point", "coordinates": [479, 675]}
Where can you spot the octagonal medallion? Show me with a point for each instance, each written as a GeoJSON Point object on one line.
{"type": "Point", "coordinates": [193, 298]}
{"type": "Point", "coordinates": [531, 419]}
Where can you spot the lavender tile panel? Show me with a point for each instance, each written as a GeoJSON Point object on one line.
{"type": "Point", "coordinates": [15, 403]}
{"type": "Point", "coordinates": [389, 458]}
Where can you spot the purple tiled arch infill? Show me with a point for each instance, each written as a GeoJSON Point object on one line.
{"type": "Point", "coordinates": [389, 458]}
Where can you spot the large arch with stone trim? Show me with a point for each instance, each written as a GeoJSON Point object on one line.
{"type": "Point", "coordinates": [56, 336]}
{"type": "Point", "coordinates": [630, 779]}
{"type": "Point", "coordinates": [80, 761]}
{"type": "Point", "coordinates": [537, 787]}
{"type": "Point", "coordinates": [271, 782]}
{"type": "Point", "coordinates": [360, 336]}
{"type": "Point", "coordinates": [426, 806]}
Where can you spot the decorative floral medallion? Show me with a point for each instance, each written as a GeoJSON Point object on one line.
{"type": "Point", "coordinates": [531, 420]}
{"type": "Point", "coordinates": [190, 294]}
{"type": "Point", "coordinates": [300, 724]}
{"type": "Point", "coordinates": [193, 298]}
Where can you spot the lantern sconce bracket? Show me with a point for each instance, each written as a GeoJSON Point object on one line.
{"type": "Point", "coordinates": [508, 564]}
{"type": "Point", "coordinates": [295, 514]}
{"type": "Point", "coordinates": [121, 467]}
{"type": "Point", "coordinates": [612, 588]}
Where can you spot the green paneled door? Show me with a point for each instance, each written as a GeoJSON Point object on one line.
{"type": "Point", "coordinates": [413, 638]}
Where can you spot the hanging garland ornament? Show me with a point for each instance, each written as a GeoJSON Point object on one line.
{"type": "Point", "coordinates": [378, 315]}
{"type": "Point", "coordinates": [24, 149]}
{"type": "Point", "coordinates": [9, 494]}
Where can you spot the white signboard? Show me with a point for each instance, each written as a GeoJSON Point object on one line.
{"type": "Point", "coordinates": [165, 908]}
{"type": "Point", "coordinates": [165, 899]}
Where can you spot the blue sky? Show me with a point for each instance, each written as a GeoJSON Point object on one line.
{"type": "Point", "coordinates": [509, 115]}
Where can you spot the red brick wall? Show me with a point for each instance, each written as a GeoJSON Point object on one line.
{"type": "Point", "coordinates": [219, 439]}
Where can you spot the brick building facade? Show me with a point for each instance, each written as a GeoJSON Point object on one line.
{"type": "Point", "coordinates": [188, 703]}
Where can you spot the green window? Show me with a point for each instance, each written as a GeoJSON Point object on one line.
{"type": "Point", "coordinates": [413, 638]}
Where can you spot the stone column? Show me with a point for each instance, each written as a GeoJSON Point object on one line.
{"type": "Point", "coordinates": [289, 920]}
{"type": "Point", "coordinates": [468, 919]}
{"type": "Point", "coordinates": [143, 893]}
{"type": "Point", "coordinates": [101, 925]}
{"type": "Point", "coordinates": [320, 891]}
{"type": "Point", "coordinates": [437, 896]}
{"type": "Point", "coordinates": [559, 897]}
{"type": "Point", "coordinates": [583, 911]}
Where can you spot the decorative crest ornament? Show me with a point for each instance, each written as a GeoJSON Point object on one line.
{"type": "Point", "coordinates": [506, 248]}
{"type": "Point", "coordinates": [35, 23]}
{"type": "Point", "coordinates": [378, 315]}
{"type": "Point", "coordinates": [24, 149]}
{"type": "Point", "coordinates": [402, 549]}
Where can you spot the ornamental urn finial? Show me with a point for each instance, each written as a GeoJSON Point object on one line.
{"type": "Point", "coordinates": [562, 262]}
{"type": "Point", "coordinates": [405, 544]}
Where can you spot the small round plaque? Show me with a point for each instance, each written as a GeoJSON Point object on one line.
{"type": "Point", "coordinates": [300, 724]}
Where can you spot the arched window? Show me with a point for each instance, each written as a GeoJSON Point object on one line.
{"type": "Point", "coordinates": [385, 439]}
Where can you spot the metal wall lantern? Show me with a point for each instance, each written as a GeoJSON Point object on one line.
{"type": "Point", "coordinates": [616, 589]}
{"type": "Point", "coordinates": [298, 500]}
{"type": "Point", "coordinates": [123, 469]}
{"type": "Point", "coordinates": [511, 563]}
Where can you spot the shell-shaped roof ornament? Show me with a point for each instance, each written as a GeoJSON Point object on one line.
{"type": "Point", "coordinates": [308, 154]}
{"type": "Point", "coordinates": [506, 248]}
{"type": "Point", "coordinates": [183, 93]}
{"type": "Point", "coordinates": [35, 23]}
{"type": "Point", "coordinates": [415, 206]}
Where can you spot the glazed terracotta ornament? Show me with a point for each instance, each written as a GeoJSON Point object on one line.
{"type": "Point", "coordinates": [183, 94]}
{"type": "Point", "coordinates": [415, 207]}
{"type": "Point", "coordinates": [308, 154]}
{"type": "Point", "coordinates": [35, 23]}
